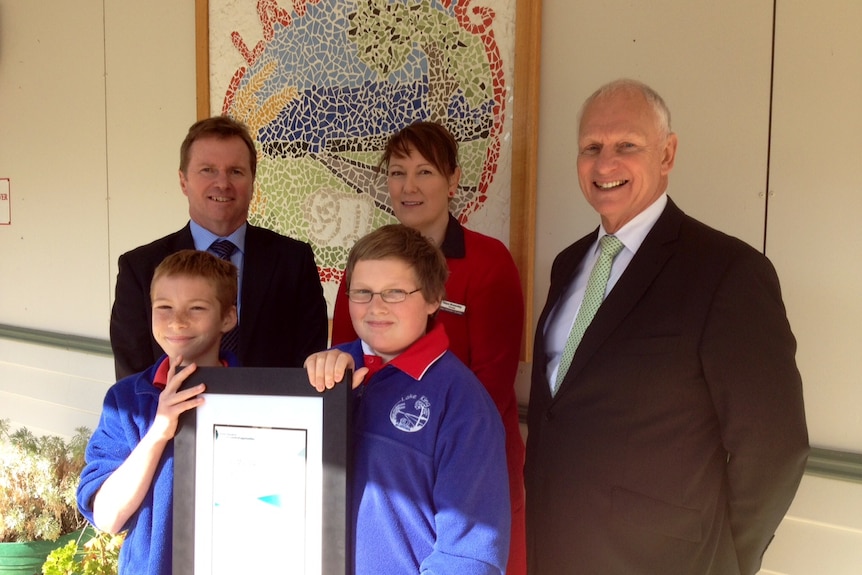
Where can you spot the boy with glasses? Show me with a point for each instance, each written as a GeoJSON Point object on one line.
{"type": "Point", "coordinates": [430, 483]}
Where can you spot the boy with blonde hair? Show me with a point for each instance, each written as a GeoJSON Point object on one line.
{"type": "Point", "coordinates": [127, 483]}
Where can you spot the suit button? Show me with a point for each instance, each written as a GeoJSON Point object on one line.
{"type": "Point", "coordinates": [549, 415]}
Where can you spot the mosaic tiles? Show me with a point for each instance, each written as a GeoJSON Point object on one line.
{"type": "Point", "coordinates": [330, 80]}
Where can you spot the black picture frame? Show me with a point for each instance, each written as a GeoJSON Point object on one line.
{"type": "Point", "coordinates": [264, 399]}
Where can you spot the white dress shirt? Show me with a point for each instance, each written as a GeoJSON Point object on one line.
{"type": "Point", "coordinates": [203, 239]}
{"type": "Point", "coordinates": [562, 318]}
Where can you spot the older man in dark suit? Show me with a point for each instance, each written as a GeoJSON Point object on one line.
{"type": "Point", "coordinates": [282, 311]}
{"type": "Point", "coordinates": [667, 432]}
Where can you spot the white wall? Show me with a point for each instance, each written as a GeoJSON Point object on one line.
{"type": "Point", "coordinates": [51, 390]}
{"type": "Point", "coordinates": [53, 149]}
{"type": "Point", "coordinates": [814, 236]}
{"type": "Point", "coordinates": [96, 98]}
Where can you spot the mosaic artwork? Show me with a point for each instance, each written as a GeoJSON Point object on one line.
{"type": "Point", "coordinates": [322, 84]}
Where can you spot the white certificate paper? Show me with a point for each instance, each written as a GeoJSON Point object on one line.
{"type": "Point", "coordinates": [252, 509]}
{"type": "Point", "coordinates": [259, 480]}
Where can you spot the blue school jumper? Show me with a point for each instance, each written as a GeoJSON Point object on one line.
{"type": "Point", "coordinates": [127, 414]}
{"type": "Point", "coordinates": [431, 486]}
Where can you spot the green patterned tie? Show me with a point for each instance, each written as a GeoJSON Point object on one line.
{"type": "Point", "coordinates": [593, 297]}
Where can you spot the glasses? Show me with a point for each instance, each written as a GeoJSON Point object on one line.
{"type": "Point", "coordinates": [387, 295]}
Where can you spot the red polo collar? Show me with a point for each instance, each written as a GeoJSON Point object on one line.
{"type": "Point", "coordinates": [160, 380]}
{"type": "Point", "coordinates": [417, 358]}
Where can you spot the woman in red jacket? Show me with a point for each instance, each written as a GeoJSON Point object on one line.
{"type": "Point", "coordinates": [483, 312]}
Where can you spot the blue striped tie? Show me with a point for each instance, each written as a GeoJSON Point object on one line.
{"type": "Point", "coordinates": [224, 249]}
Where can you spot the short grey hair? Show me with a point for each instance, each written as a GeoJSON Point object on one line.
{"type": "Point", "coordinates": [656, 102]}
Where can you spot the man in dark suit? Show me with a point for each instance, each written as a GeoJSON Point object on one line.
{"type": "Point", "coordinates": [675, 440]}
{"type": "Point", "coordinates": [282, 311]}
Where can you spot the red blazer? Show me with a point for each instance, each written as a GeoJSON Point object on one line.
{"type": "Point", "coordinates": [678, 438]}
{"type": "Point", "coordinates": [283, 319]}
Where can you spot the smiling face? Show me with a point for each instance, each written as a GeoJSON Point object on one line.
{"type": "Point", "coordinates": [623, 157]}
{"type": "Point", "coordinates": [420, 193]}
{"type": "Point", "coordinates": [389, 328]}
{"type": "Point", "coordinates": [188, 318]}
{"type": "Point", "coordinates": [219, 184]}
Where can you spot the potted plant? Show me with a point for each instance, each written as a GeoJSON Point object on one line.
{"type": "Point", "coordinates": [38, 512]}
{"type": "Point", "coordinates": [99, 555]}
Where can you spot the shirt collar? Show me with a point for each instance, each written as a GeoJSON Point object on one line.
{"type": "Point", "coordinates": [204, 238]}
{"type": "Point", "coordinates": [635, 231]}
{"type": "Point", "coordinates": [160, 379]}
{"type": "Point", "coordinates": [374, 363]}
{"type": "Point", "coordinates": [453, 241]}
{"type": "Point", "coordinates": [422, 354]}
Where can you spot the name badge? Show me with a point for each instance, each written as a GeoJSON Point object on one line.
{"type": "Point", "coordinates": [452, 307]}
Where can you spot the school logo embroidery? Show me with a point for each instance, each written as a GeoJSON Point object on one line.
{"type": "Point", "coordinates": [411, 413]}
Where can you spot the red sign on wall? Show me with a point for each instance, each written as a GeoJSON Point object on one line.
{"type": "Point", "coordinates": [5, 202]}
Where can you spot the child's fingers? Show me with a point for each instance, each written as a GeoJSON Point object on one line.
{"type": "Point", "coordinates": [176, 378]}
{"type": "Point", "coordinates": [327, 367]}
{"type": "Point", "coordinates": [358, 376]}
{"type": "Point", "coordinates": [315, 373]}
{"type": "Point", "coordinates": [171, 407]}
{"type": "Point", "coordinates": [192, 403]}
{"type": "Point", "coordinates": [187, 394]}
{"type": "Point", "coordinates": [173, 364]}
{"type": "Point", "coordinates": [172, 395]}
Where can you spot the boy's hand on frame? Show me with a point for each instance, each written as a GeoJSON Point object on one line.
{"type": "Point", "coordinates": [325, 368]}
{"type": "Point", "coordinates": [173, 403]}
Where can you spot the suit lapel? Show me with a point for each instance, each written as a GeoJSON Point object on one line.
{"type": "Point", "coordinates": [641, 272]}
{"type": "Point", "coordinates": [561, 281]}
{"type": "Point", "coordinates": [182, 240]}
{"type": "Point", "coordinates": [562, 275]}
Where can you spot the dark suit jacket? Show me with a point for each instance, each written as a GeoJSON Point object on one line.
{"type": "Point", "coordinates": [677, 439]}
{"type": "Point", "coordinates": [283, 310]}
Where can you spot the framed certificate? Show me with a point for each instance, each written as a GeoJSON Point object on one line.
{"type": "Point", "coordinates": [261, 476]}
